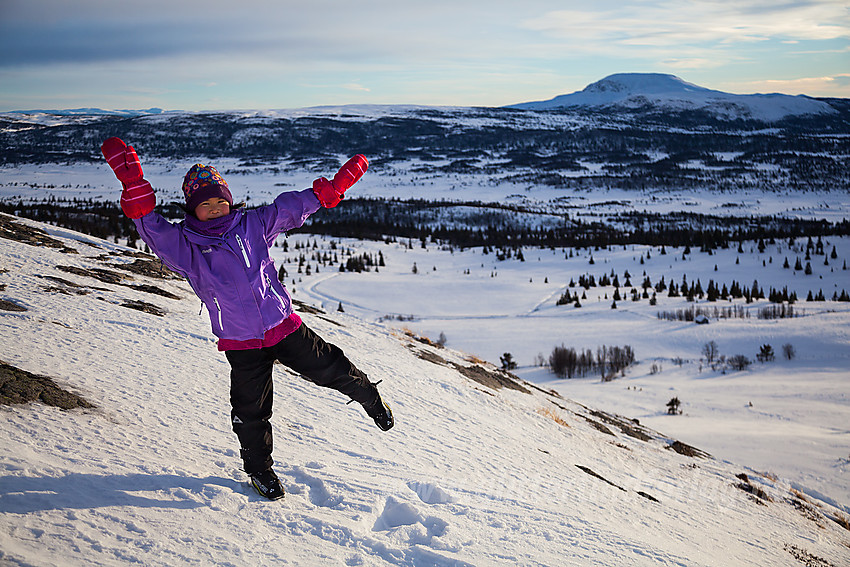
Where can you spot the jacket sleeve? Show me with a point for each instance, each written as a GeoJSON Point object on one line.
{"type": "Point", "coordinates": [288, 211]}
{"type": "Point", "coordinates": [166, 240]}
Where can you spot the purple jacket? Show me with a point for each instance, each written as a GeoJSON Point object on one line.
{"type": "Point", "coordinates": [233, 274]}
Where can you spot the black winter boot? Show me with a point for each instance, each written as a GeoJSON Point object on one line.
{"type": "Point", "coordinates": [381, 413]}
{"type": "Point", "coordinates": [267, 484]}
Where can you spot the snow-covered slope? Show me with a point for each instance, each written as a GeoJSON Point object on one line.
{"type": "Point", "coordinates": [472, 474]}
{"type": "Point", "coordinates": [668, 92]}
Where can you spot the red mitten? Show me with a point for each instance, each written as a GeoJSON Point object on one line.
{"type": "Point", "coordinates": [350, 173]}
{"type": "Point", "coordinates": [325, 193]}
{"type": "Point", "coordinates": [138, 198]}
{"type": "Point", "coordinates": [122, 159]}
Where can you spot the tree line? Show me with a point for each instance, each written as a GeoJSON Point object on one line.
{"type": "Point", "coordinates": [567, 362]}
{"type": "Point", "coordinates": [470, 224]}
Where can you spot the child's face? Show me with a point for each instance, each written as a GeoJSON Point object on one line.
{"type": "Point", "coordinates": [212, 209]}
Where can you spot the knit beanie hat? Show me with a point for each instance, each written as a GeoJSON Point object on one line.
{"type": "Point", "coordinates": [204, 182]}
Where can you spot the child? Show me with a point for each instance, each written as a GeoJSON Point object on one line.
{"type": "Point", "coordinates": [223, 251]}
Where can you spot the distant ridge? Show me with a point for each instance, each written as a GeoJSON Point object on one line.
{"type": "Point", "coordinates": [661, 92]}
{"type": "Point", "coordinates": [90, 112]}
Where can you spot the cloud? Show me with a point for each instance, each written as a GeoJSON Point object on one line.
{"type": "Point", "coordinates": [92, 30]}
{"type": "Point", "coordinates": [287, 53]}
{"type": "Point", "coordinates": [356, 87]}
{"type": "Point", "coordinates": [50, 31]}
{"type": "Point", "coordinates": [672, 22]}
{"type": "Point", "coordinates": [335, 87]}
{"type": "Point", "coordinates": [694, 63]}
{"type": "Point", "coordinates": [827, 86]}
{"type": "Point", "coordinates": [75, 42]}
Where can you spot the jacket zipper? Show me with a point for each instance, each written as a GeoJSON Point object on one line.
{"type": "Point", "coordinates": [274, 291]}
{"type": "Point", "coordinates": [218, 309]}
{"type": "Point", "coordinates": [244, 252]}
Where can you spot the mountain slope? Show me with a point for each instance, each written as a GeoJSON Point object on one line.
{"type": "Point", "coordinates": [636, 133]}
{"type": "Point", "coordinates": [472, 473]}
{"type": "Point", "coordinates": [659, 92]}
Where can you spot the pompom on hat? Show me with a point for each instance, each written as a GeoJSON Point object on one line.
{"type": "Point", "coordinates": [204, 182]}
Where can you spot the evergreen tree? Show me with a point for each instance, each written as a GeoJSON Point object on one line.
{"type": "Point", "coordinates": [508, 362]}
{"type": "Point", "coordinates": [673, 406]}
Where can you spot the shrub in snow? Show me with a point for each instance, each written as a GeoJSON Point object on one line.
{"type": "Point", "coordinates": [739, 362]}
{"type": "Point", "coordinates": [765, 354]}
{"type": "Point", "coordinates": [673, 407]}
{"type": "Point", "coordinates": [788, 351]}
{"type": "Point", "coordinates": [508, 362]}
{"type": "Point", "coordinates": [442, 340]}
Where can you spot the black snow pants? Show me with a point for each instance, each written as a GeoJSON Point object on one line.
{"type": "Point", "coordinates": [251, 389]}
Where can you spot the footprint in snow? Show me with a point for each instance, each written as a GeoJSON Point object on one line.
{"type": "Point", "coordinates": [319, 493]}
{"type": "Point", "coordinates": [430, 493]}
{"type": "Point", "coordinates": [397, 514]}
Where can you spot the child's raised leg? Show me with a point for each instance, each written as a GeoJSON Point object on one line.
{"type": "Point", "coordinates": [324, 364]}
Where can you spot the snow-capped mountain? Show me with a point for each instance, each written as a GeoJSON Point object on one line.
{"type": "Point", "coordinates": [635, 132]}
{"type": "Point", "coordinates": [658, 92]}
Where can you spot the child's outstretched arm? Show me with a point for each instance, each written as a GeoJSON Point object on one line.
{"type": "Point", "coordinates": [137, 198]}
{"type": "Point", "coordinates": [291, 209]}
{"type": "Point", "coordinates": [330, 193]}
{"type": "Point", "coordinates": [138, 202]}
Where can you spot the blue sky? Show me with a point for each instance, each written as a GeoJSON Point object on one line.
{"type": "Point", "coordinates": [261, 54]}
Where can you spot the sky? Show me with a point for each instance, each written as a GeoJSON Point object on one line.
{"type": "Point", "coordinates": [265, 54]}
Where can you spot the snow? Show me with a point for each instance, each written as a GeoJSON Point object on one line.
{"type": "Point", "coordinates": [637, 90]}
{"type": "Point", "coordinates": [469, 475]}
{"type": "Point", "coordinates": [622, 90]}
{"type": "Point", "coordinates": [506, 306]}
{"type": "Point", "coordinates": [261, 184]}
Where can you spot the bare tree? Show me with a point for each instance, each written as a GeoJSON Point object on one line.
{"type": "Point", "coordinates": [602, 359]}
{"type": "Point", "coordinates": [739, 362]}
{"type": "Point", "coordinates": [710, 351]}
{"type": "Point", "coordinates": [788, 351]}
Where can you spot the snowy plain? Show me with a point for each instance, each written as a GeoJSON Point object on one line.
{"type": "Point", "coordinates": [470, 475]}
{"type": "Point", "coordinates": [787, 417]}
